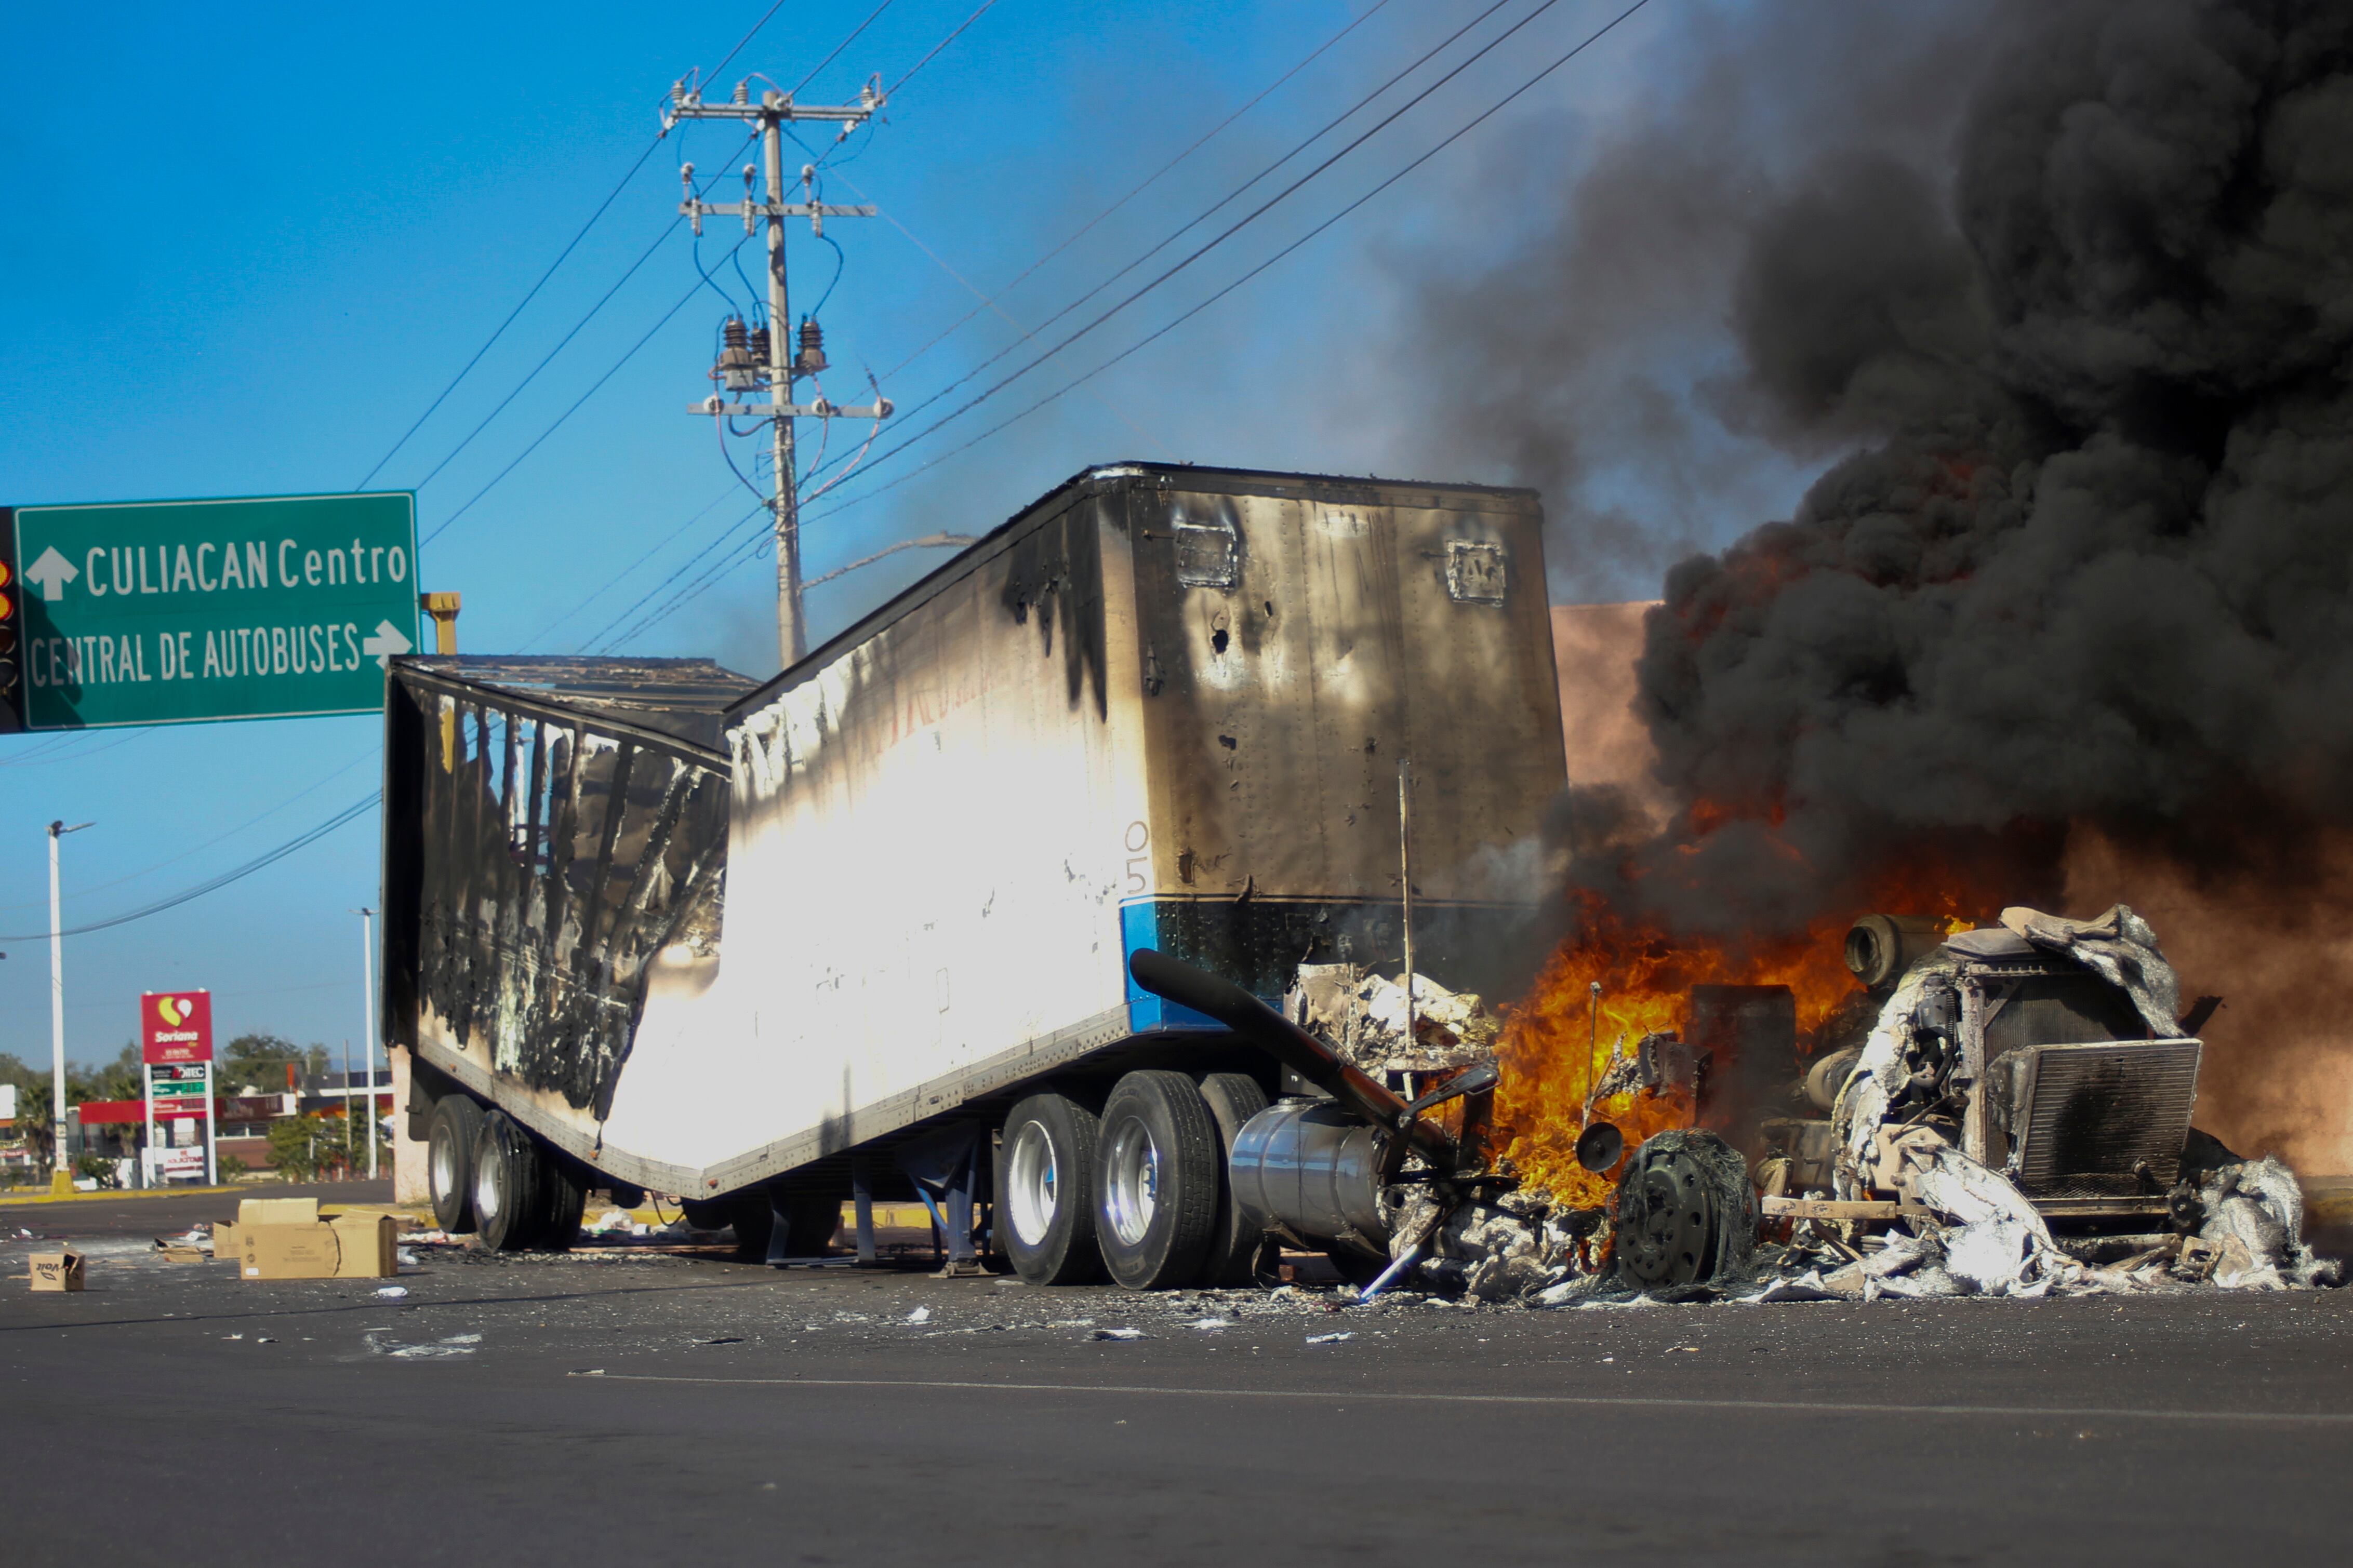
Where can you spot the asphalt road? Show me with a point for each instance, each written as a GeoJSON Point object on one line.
{"type": "Point", "coordinates": [661, 1410]}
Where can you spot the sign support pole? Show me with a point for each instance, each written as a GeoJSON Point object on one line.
{"type": "Point", "coordinates": [147, 1176]}
{"type": "Point", "coordinates": [212, 1142]}
{"type": "Point", "coordinates": [60, 1173]}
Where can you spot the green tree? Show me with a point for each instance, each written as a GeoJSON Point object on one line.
{"type": "Point", "coordinates": [294, 1148]}
{"type": "Point", "coordinates": [256, 1064]}
{"type": "Point", "coordinates": [124, 1078]}
{"type": "Point", "coordinates": [309, 1148]}
{"type": "Point", "coordinates": [33, 1102]}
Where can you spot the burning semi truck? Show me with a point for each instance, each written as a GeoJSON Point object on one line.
{"type": "Point", "coordinates": [866, 929]}
{"type": "Point", "coordinates": [1062, 890]}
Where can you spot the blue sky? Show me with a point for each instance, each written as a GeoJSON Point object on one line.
{"type": "Point", "coordinates": [243, 248]}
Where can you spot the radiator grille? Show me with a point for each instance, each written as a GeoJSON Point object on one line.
{"type": "Point", "coordinates": [2091, 1112]}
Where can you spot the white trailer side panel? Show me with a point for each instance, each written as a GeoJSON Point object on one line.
{"type": "Point", "coordinates": [927, 848]}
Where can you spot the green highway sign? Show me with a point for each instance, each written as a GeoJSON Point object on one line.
{"type": "Point", "coordinates": [172, 612]}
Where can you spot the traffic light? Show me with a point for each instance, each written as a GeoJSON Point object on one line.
{"type": "Point", "coordinates": [12, 685]}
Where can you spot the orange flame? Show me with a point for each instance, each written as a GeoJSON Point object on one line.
{"type": "Point", "coordinates": [1557, 1040]}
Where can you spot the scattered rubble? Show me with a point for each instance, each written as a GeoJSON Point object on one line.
{"type": "Point", "coordinates": [1362, 1015]}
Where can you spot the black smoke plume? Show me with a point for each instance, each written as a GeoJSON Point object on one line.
{"type": "Point", "coordinates": [2089, 559]}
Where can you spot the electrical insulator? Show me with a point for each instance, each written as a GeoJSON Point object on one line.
{"type": "Point", "coordinates": [736, 370]}
{"type": "Point", "coordinates": [760, 345]}
{"type": "Point", "coordinates": [812, 356]}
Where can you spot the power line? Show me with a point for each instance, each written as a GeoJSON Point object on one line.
{"type": "Point", "coordinates": [837, 49]}
{"type": "Point", "coordinates": [611, 583]}
{"type": "Point", "coordinates": [647, 255]}
{"type": "Point", "coordinates": [601, 634]}
{"type": "Point", "coordinates": [451, 455]}
{"type": "Point", "coordinates": [214, 884]}
{"type": "Point", "coordinates": [725, 535]}
{"type": "Point", "coordinates": [596, 387]}
{"type": "Point", "coordinates": [501, 331]}
{"type": "Point", "coordinates": [1134, 191]}
{"type": "Point", "coordinates": [574, 244]}
{"type": "Point", "coordinates": [1197, 308]}
{"type": "Point", "coordinates": [747, 37]}
{"type": "Point", "coordinates": [1228, 232]}
{"type": "Point", "coordinates": [942, 44]}
{"type": "Point", "coordinates": [987, 302]}
{"type": "Point", "coordinates": [1203, 305]}
{"type": "Point", "coordinates": [1220, 205]}
{"type": "Point", "coordinates": [747, 547]}
{"type": "Point", "coordinates": [199, 848]}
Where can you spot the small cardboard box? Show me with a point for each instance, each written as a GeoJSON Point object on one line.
{"type": "Point", "coordinates": [224, 1245]}
{"type": "Point", "coordinates": [56, 1271]}
{"type": "Point", "coordinates": [284, 1239]}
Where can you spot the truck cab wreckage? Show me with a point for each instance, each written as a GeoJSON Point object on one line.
{"type": "Point", "coordinates": [990, 902]}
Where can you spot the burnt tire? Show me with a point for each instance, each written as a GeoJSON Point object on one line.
{"type": "Point", "coordinates": [1157, 1162]}
{"type": "Point", "coordinates": [1046, 1200]}
{"type": "Point", "coordinates": [811, 1221]}
{"type": "Point", "coordinates": [566, 1187]}
{"type": "Point", "coordinates": [449, 1134]}
{"type": "Point", "coordinates": [753, 1221]}
{"type": "Point", "coordinates": [511, 1199]}
{"type": "Point", "coordinates": [1235, 1242]}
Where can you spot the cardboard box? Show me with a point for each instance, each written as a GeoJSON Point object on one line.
{"type": "Point", "coordinates": [56, 1271]}
{"type": "Point", "coordinates": [284, 1239]}
{"type": "Point", "coordinates": [225, 1245]}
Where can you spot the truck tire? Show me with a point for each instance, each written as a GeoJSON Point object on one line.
{"type": "Point", "coordinates": [510, 1200]}
{"type": "Point", "coordinates": [566, 1187]}
{"type": "Point", "coordinates": [1235, 1242]}
{"type": "Point", "coordinates": [753, 1221]}
{"type": "Point", "coordinates": [451, 1133]}
{"type": "Point", "coordinates": [812, 1220]}
{"type": "Point", "coordinates": [1048, 1204]}
{"type": "Point", "coordinates": [1157, 1162]}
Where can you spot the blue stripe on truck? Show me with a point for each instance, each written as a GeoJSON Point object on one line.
{"type": "Point", "coordinates": [1139, 926]}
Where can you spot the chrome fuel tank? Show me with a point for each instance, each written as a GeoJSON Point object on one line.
{"type": "Point", "coordinates": [1314, 1169]}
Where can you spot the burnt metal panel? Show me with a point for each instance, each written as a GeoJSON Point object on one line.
{"type": "Point", "coordinates": [539, 854]}
{"type": "Point", "coordinates": [2102, 1118]}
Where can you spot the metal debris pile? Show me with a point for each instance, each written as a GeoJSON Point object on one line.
{"type": "Point", "coordinates": [1903, 1210]}
{"type": "Point", "coordinates": [1970, 1235]}
{"type": "Point", "coordinates": [1362, 1015]}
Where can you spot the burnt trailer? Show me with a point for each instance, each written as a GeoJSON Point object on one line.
{"type": "Point", "coordinates": [882, 925]}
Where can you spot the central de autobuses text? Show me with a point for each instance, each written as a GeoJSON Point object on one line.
{"type": "Point", "coordinates": [235, 653]}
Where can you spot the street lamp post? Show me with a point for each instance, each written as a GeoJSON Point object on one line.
{"type": "Point", "coordinates": [60, 1173]}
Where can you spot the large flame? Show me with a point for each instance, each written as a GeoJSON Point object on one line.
{"type": "Point", "coordinates": [1561, 1037]}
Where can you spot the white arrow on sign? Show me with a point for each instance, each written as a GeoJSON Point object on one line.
{"type": "Point", "coordinates": [52, 572]}
{"type": "Point", "coordinates": [386, 642]}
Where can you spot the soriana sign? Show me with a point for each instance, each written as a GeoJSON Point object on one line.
{"type": "Point", "coordinates": [176, 1026]}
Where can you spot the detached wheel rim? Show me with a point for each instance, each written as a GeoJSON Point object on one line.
{"type": "Point", "coordinates": [1033, 1175]}
{"type": "Point", "coordinates": [1132, 1182]}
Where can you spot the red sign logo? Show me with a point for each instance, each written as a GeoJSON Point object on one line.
{"type": "Point", "coordinates": [176, 1026]}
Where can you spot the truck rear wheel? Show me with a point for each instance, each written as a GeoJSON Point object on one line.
{"type": "Point", "coordinates": [511, 1199]}
{"type": "Point", "coordinates": [1234, 1241]}
{"type": "Point", "coordinates": [1155, 1180]}
{"type": "Point", "coordinates": [566, 1189]}
{"type": "Point", "coordinates": [1048, 1206]}
{"type": "Point", "coordinates": [811, 1220]}
{"type": "Point", "coordinates": [456, 1123]}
